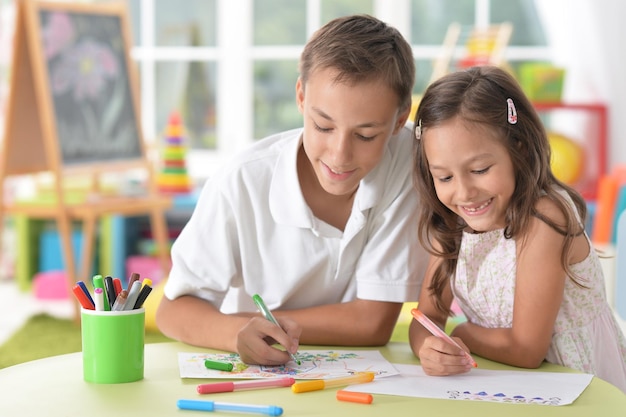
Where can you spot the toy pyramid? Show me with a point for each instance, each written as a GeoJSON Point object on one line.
{"type": "Point", "coordinates": [173, 177]}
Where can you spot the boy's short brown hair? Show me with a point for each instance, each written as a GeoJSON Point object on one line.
{"type": "Point", "coordinates": [361, 48]}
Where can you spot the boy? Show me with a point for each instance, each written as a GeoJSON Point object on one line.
{"type": "Point", "coordinates": [319, 221]}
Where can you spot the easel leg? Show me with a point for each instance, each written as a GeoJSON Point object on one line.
{"type": "Point", "coordinates": [159, 230]}
{"type": "Point", "coordinates": [89, 227]}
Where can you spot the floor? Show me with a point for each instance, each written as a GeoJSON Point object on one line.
{"type": "Point", "coordinates": [17, 306]}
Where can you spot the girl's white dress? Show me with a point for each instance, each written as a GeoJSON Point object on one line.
{"type": "Point", "coordinates": [586, 335]}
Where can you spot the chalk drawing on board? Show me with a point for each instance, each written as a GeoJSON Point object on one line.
{"type": "Point", "coordinates": [86, 64]}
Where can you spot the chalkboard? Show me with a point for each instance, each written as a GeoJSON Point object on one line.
{"type": "Point", "coordinates": [86, 62]}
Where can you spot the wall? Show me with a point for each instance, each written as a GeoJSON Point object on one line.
{"type": "Point", "coordinates": [587, 39]}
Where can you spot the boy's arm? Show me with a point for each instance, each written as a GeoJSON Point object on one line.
{"type": "Point", "coordinates": [353, 323]}
{"type": "Point", "coordinates": [197, 322]}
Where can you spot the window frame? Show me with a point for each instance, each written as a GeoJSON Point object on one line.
{"type": "Point", "coordinates": [235, 89]}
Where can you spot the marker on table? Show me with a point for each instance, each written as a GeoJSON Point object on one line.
{"type": "Point", "coordinates": [436, 331]}
{"type": "Point", "coordinates": [218, 366]}
{"type": "Point", "coordinates": [269, 316]}
{"type": "Point", "coordinates": [197, 405]}
{"type": "Point", "coordinates": [355, 397]}
{"type": "Point", "coordinates": [318, 384]}
{"type": "Point", "coordinates": [230, 386]}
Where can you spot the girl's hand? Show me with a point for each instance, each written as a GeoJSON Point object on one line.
{"type": "Point", "coordinates": [257, 339]}
{"type": "Point", "coordinates": [439, 357]}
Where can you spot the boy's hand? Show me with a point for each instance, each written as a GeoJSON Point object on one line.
{"type": "Point", "coordinates": [256, 341]}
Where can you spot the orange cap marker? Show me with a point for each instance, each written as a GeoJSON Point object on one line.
{"type": "Point", "coordinates": [355, 397]}
{"type": "Point", "coordinates": [82, 298]}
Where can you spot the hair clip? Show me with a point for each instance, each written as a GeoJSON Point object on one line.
{"type": "Point", "coordinates": [511, 115]}
{"type": "Point", "coordinates": [418, 130]}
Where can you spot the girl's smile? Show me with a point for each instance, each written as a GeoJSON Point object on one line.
{"type": "Point", "coordinates": [472, 172]}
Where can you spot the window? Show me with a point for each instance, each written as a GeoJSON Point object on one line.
{"type": "Point", "coordinates": [230, 67]}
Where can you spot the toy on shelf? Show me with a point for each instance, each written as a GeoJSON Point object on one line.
{"type": "Point", "coordinates": [542, 82]}
{"type": "Point", "coordinates": [611, 203]}
{"type": "Point", "coordinates": [567, 158]}
{"type": "Point", "coordinates": [174, 178]}
{"type": "Point", "coordinates": [482, 46]}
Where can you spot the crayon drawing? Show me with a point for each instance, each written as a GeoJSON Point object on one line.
{"type": "Point", "coordinates": [503, 398]}
{"type": "Point", "coordinates": [315, 364]}
{"type": "Point", "coordinates": [502, 386]}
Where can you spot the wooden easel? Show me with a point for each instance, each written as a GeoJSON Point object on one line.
{"type": "Point", "coordinates": [32, 144]}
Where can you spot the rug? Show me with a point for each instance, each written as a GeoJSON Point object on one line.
{"type": "Point", "coordinates": [44, 335]}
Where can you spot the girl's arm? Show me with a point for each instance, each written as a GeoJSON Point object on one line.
{"type": "Point", "coordinates": [437, 356]}
{"type": "Point", "coordinates": [540, 281]}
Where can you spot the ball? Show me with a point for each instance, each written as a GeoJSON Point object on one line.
{"type": "Point", "coordinates": [567, 158]}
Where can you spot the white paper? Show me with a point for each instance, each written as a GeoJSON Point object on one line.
{"type": "Point", "coordinates": [518, 387]}
{"type": "Point", "coordinates": [316, 364]}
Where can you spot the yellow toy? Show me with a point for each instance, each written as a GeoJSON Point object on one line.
{"type": "Point", "coordinates": [152, 304]}
{"type": "Point", "coordinates": [567, 158]}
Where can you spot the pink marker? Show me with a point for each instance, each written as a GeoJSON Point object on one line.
{"type": "Point", "coordinates": [230, 386]}
{"type": "Point", "coordinates": [436, 331]}
{"type": "Point", "coordinates": [98, 298]}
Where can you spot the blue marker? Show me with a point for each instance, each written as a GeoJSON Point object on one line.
{"type": "Point", "coordinates": [197, 405]}
{"type": "Point", "coordinates": [82, 285]}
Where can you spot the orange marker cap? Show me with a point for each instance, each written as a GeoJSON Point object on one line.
{"type": "Point", "coordinates": [355, 397]}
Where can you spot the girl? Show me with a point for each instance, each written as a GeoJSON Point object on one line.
{"type": "Point", "coordinates": [506, 237]}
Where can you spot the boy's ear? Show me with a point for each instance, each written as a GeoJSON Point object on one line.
{"type": "Point", "coordinates": [300, 95]}
{"type": "Point", "coordinates": [402, 118]}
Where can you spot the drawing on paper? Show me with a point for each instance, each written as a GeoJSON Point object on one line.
{"type": "Point", "coordinates": [502, 397]}
{"type": "Point", "coordinates": [314, 365]}
{"type": "Point", "coordinates": [487, 385]}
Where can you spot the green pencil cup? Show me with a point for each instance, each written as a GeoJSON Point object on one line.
{"type": "Point", "coordinates": [113, 345]}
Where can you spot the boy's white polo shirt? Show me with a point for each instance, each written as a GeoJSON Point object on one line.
{"type": "Point", "coordinates": [252, 230]}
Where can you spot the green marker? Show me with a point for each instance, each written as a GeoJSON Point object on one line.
{"type": "Point", "coordinates": [269, 316]}
{"type": "Point", "coordinates": [218, 366]}
{"type": "Point", "coordinates": [98, 282]}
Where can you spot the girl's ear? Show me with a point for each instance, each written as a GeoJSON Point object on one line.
{"type": "Point", "coordinates": [520, 147]}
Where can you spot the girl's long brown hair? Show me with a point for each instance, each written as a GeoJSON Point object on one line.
{"type": "Point", "coordinates": [479, 96]}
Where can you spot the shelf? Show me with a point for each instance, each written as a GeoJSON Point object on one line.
{"type": "Point", "coordinates": [593, 139]}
